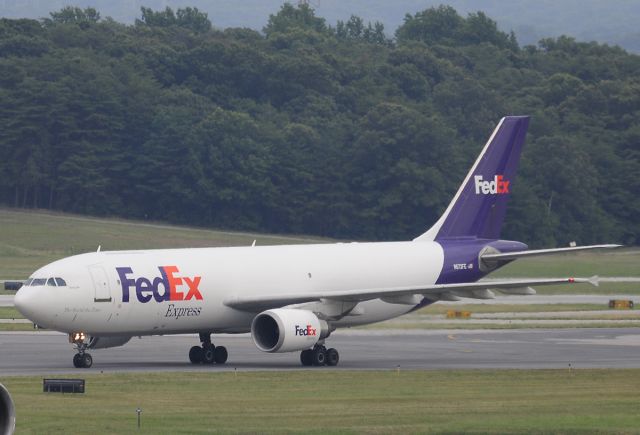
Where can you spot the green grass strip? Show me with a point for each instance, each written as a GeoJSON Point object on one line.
{"type": "Point", "coordinates": [330, 401]}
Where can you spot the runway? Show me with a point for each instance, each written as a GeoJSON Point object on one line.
{"type": "Point", "coordinates": [49, 353]}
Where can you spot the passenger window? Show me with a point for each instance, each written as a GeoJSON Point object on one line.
{"type": "Point", "coordinates": [51, 282]}
{"type": "Point", "coordinates": [61, 282]}
{"type": "Point", "coordinates": [38, 281]}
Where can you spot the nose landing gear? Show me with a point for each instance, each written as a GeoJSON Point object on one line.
{"type": "Point", "coordinates": [207, 353]}
{"type": "Point", "coordinates": [81, 360]}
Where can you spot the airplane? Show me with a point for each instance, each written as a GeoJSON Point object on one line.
{"type": "Point", "coordinates": [292, 297]}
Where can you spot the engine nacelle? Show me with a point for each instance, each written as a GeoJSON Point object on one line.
{"type": "Point", "coordinates": [105, 342]}
{"type": "Point", "coordinates": [7, 412]}
{"type": "Point", "coordinates": [287, 330]}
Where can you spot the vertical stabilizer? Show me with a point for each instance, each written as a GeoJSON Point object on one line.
{"type": "Point", "coordinates": [478, 208]}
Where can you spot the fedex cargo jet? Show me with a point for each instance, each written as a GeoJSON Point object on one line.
{"type": "Point", "coordinates": [291, 298]}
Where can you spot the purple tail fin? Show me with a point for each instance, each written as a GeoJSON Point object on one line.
{"type": "Point", "coordinates": [479, 206]}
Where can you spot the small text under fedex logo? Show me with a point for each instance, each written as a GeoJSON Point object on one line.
{"type": "Point", "coordinates": [306, 331]}
{"type": "Point", "coordinates": [497, 186]}
{"type": "Point", "coordinates": [169, 286]}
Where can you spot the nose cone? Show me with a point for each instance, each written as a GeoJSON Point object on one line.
{"type": "Point", "coordinates": [20, 301]}
{"type": "Point", "coordinates": [29, 303]}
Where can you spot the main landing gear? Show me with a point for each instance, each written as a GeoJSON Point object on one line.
{"type": "Point", "coordinates": [207, 353]}
{"type": "Point", "coordinates": [319, 356]}
{"type": "Point", "coordinates": [82, 359]}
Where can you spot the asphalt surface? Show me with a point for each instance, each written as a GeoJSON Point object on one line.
{"type": "Point", "coordinates": [49, 353]}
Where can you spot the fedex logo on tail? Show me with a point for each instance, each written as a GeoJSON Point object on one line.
{"type": "Point", "coordinates": [169, 286]}
{"type": "Point", "coordinates": [497, 186]}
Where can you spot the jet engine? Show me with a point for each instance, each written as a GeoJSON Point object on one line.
{"type": "Point", "coordinates": [287, 330]}
{"type": "Point", "coordinates": [7, 412]}
{"type": "Point", "coordinates": [105, 342]}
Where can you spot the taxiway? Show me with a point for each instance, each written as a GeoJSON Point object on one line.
{"type": "Point", "coordinates": [47, 353]}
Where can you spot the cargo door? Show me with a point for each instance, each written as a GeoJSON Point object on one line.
{"type": "Point", "coordinates": [100, 284]}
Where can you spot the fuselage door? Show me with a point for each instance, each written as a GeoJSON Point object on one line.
{"type": "Point", "coordinates": [100, 284]}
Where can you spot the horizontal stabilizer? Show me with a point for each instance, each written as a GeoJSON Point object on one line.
{"type": "Point", "coordinates": [536, 252]}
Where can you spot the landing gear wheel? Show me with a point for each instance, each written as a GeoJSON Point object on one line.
{"type": "Point", "coordinates": [208, 353]}
{"type": "Point", "coordinates": [87, 360]}
{"type": "Point", "coordinates": [220, 355]}
{"type": "Point", "coordinates": [332, 357]}
{"type": "Point", "coordinates": [196, 355]}
{"type": "Point", "coordinates": [306, 357]}
{"type": "Point", "coordinates": [77, 361]}
{"type": "Point", "coordinates": [318, 356]}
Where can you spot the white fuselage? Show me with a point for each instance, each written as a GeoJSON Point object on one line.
{"type": "Point", "coordinates": [94, 300]}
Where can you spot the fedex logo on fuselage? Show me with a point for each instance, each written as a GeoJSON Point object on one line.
{"type": "Point", "coordinates": [498, 186]}
{"type": "Point", "coordinates": [169, 286]}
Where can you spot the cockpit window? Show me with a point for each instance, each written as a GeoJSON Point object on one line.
{"type": "Point", "coordinates": [53, 282]}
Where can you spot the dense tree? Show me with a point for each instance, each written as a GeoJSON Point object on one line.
{"type": "Point", "coordinates": [308, 128]}
{"type": "Point", "coordinates": [290, 18]}
{"type": "Point", "coordinates": [190, 18]}
{"type": "Point", "coordinates": [74, 15]}
{"type": "Point", "coordinates": [355, 29]}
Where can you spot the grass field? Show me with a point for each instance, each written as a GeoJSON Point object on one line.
{"type": "Point", "coordinates": [31, 239]}
{"type": "Point", "coordinates": [562, 323]}
{"type": "Point", "coordinates": [10, 313]}
{"type": "Point", "coordinates": [619, 262]}
{"type": "Point", "coordinates": [443, 307]}
{"type": "Point", "coordinates": [605, 288]}
{"type": "Point", "coordinates": [328, 401]}
{"type": "Point", "coordinates": [16, 327]}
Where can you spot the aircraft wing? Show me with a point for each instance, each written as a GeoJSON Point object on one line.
{"type": "Point", "coordinates": [402, 295]}
{"type": "Point", "coordinates": [536, 252]}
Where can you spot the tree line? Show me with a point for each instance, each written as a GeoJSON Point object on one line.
{"type": "Point", "coordinates": [310, 128]}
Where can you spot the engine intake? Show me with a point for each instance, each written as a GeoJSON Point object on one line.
{"type": "Point", "coordinates": [287, 330]}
